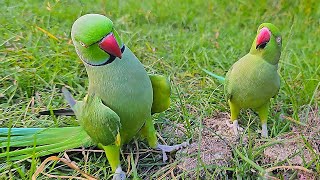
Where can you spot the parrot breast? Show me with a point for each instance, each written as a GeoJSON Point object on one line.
{"type": "Point", "coordinates": [252, 82]}
{"type": "Point", "coordinates": [125, 87]}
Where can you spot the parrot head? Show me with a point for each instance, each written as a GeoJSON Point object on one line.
{"type": "Point", "coordinates": [95, 39]}
{"type": "Point", "coordinates": [267, 43]}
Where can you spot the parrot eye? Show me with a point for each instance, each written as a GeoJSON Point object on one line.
{"type": "Point", "coordinates": [278, 40]}
{"type": "Point", "coordinates": [82, 44]}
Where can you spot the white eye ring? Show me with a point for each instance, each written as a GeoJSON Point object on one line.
{"type": "Point", "coordinates": [278, 39]}
{"type": "Point", "coordinates": [82, 44]}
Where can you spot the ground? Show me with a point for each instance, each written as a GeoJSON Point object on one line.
{"type": "Point", "coordinates": [173, 38]}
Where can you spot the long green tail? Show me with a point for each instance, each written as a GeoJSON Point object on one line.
{"type": "Point", "coordinates": [220, 78]}
{"type": "Point", "coordinates": [38, 142]}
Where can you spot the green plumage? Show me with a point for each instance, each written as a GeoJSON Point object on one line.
{"type": "Point", "coordinates": [99, 121]}
{"type": "Point", "coordinates": [120, 100]}
{"type": "Point", "coordinates": [42, 141]}
{"type": "Point", "coordinates": [161, 92]}
{"type": "Point", "coordinates": [124, 86]}
{"type": "Point", "coordinates": [253, 80]}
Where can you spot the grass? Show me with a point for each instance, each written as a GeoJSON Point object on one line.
{"type": "Point", "coordinates": [172, 38]}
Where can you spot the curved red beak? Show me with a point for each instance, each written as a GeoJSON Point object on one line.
{"type": "Point", "coordinates": [263, 37]}
{"type": "Point", "coordinates": [109, 44]}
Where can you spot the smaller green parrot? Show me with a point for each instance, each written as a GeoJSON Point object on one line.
{"type": "Point", "coordinates": [253, 80]}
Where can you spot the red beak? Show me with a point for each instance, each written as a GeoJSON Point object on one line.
{"type": "Point", "coordinates": [109, 44]}
{"type": "Point", "coordinates": [263, 37]}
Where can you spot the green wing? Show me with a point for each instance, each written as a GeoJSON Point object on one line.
{"type": "Point", "coordinates": [99, 121]}
{"type": "Point", "coordinates": [161, 93]}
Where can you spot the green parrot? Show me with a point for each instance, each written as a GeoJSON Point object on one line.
{"type": "Point", "coordinates": [253, 80]}
{"type": "Point", "coordinates": [118, 106]}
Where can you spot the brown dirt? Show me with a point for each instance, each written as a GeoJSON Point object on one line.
{"type": "Point", "coordinates": [210, 147]}
{"type": "Point", "coordinates": [293, 149]}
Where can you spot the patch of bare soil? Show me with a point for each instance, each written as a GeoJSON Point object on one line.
{"type": "Point", "coordinates": [301, 175]}
{"type": "Point", "coordinates": [213, 147]}
{"type": "Point", "coordinates": [210, 147]}
{"type": "Point", "coordinates": [293, 149]}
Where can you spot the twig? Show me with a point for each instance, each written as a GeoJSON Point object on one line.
{"type": "Point", "coordinates": [293, 120]}
{"type": "Point", "coordinates": [137, 153]}
{"type": "Point", "coordinates": [47, 33]}
{"type": "Point", "coordinates": [168, 172]}
{"type": "Point", "coordinates": [63, 177]}
{"type": "Point", "coordinates": [129, 165]}
{"type": "Point", "coordinates": [65, 161]}
{"type": "Point", "coordinates": [289, 167]}
{"type": "Point", "coordinates": [172, 174]}
{"type": "Point", "coordinates": [160, 138]}
{"type": "Point", "coordinates": [270, 177]}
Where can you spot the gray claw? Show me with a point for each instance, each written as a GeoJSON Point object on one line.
{"type": "Point", "coordinates": [264, 131]}
{"type": "Point", "coordinates": [165, 149]}
{"type": "Point", "coordinates": [119, 174]}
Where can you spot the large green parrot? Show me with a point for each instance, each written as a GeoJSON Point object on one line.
{"type": "Point", "coordinates": [253, 80]}
{"type": "Point", "coordinates": [120, 101]}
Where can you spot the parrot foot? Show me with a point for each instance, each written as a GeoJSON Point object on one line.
{"type": "Point", "coordinates": [228, 123]}
{"type": "Point", "coordinates": [165, 149]}
{"type": "Point", "coordinates": [235, 127]}
{"type": "Point", "coordinates": [119, 174]}
{"type": "Point", "coordinates": [264, 132]}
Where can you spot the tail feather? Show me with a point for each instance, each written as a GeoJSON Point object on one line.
{"type": "Point", "coordinates": [43, 141]}
{"type": "Point", "coordinates": [18, 131]}
{"type": "Point", "coordinates": [58, 112]}
{"type": "Point", "coordinates": [38, 136]}
{"type": "Point", "coordinates": [63, 112]}
{"type": "Point", "coordinates": [68, 96]}
{"type": "Point", "coordinates": [39, 151]}
{"type": "Point", "coordinates": [43, 150]}
{"type": "Point", "coordinates": [219, 78]}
